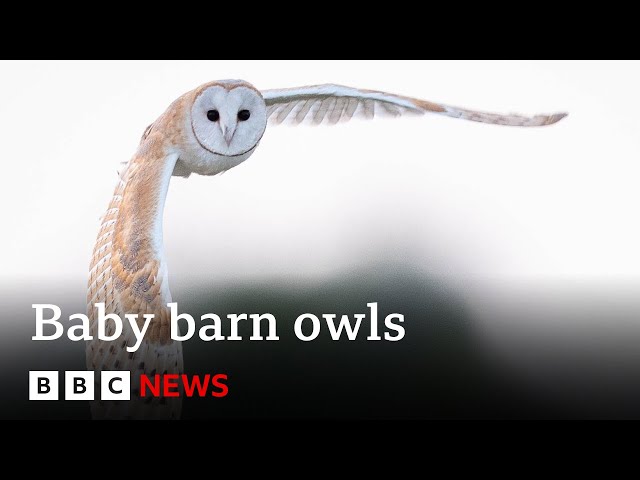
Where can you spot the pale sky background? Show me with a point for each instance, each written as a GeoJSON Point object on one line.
{"type": "Point", "coordinates": [452, 198]}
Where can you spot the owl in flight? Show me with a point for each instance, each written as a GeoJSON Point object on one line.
{"type": "Point", "coordinates": [206, 131]}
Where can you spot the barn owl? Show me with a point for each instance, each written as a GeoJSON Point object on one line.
{"type": "Point", "coordinates": [205, 131]}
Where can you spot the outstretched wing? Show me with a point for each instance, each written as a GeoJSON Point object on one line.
{"type": "Point", "coordinates": [127, 276]}
{"type": "Point", "coordinates": [331, 104]}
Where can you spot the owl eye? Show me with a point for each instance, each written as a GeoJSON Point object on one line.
{"type": "Point", "coordinates": [244, 115]}
{"type": "Point", "coordinates": [213, 115]}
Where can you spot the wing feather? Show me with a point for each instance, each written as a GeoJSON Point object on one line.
{"type": "Point", "coordinates": [338, 110]}
{"type": "Point", "coordinates": [368, 109]}
{"type": "Point", "coordinates": [350, 109]}
{"type": "Point", "coordinates": [331, 104]}
{"type": "Point", "coordinates": [285, 111]}
{"type": "Point", "coordinates": [322, 110]}
{"type": "Point", "coordinates": [272, 108]}
{"type": "Point", "coordinates": [302, 113]}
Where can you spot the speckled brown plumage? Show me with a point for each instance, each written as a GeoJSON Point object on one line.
{"type": "Point", "coordinates": [126, 275]}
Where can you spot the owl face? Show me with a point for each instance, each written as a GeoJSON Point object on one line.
{"type": "Point", "coordinates": [229, 119]}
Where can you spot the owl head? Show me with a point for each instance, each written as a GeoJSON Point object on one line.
{"type": "Point", "coordinates": [221, 124]}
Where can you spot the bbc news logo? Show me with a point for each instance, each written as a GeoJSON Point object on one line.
{"type": "Point", "coordinates": [116, 385]}
{"type": "Point", "coordinates": [79, 385]}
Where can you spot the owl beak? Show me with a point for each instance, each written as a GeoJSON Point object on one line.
{"type": "Point", "coordinates": [227, 132]}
